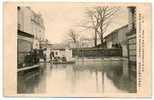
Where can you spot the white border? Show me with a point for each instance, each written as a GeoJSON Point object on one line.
{"type": "Point", "coordinates": [1, 46]}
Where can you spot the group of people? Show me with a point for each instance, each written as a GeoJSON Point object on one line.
{"type": "Point", "coordinates": [54, 58]}
{"type": "Point", "coordinates": [117, 45]}
{"type": "Point", "coordinates": [33, 57]}
{"type": "Point", "coordinates": [36, 55]}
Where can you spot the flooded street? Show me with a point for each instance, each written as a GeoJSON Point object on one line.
{"type": "Point", "coordinates": [85, 76]}
{"type": "Point", "coordinates": [76, 51]}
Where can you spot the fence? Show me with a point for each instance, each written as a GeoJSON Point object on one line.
{"type": "Point", "coordinates": [97, 52]}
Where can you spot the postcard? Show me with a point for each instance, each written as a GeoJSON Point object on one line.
{"type": "Point", "coordinates": [66, 49]}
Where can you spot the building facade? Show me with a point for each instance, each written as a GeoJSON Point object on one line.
{"type": "Point", "coordinates": [31, 31]}
{"type": "Point", "coordinates": [31, 23]}
{"type": "Point", "coordinates": [118, 39]}
{"type": "Point", "coordinates": [63, 52]}
{"type": "Point", "coordinates": [60, 50]}
{"type": "Point", "coordinates": [126, 37]}
{"type": "Point", "coordinates": [131, 40]}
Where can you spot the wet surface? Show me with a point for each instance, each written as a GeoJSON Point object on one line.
{"type": "Point", "coordinates": [85, 76]}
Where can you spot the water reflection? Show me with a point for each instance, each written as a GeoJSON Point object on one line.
{"type": "Point", "coordinates": [86, 76]}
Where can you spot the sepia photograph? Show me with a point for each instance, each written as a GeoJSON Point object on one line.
{"type": "Point", "coordinates": [76, 49]}
{"type": "Point", "coordinates": [87, 45]}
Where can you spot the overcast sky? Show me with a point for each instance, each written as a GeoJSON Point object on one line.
{"type": "Point", "coordinates": [60, 17]}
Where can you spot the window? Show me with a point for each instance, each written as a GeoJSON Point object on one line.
{"type": "Point", "coordinates": [18, 8]}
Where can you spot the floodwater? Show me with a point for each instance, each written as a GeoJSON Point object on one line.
{"type": "Point", "coordinates": [94, 76]}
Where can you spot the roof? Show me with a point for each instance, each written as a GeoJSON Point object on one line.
{"type": "Point", "coordinates": [116, 30]}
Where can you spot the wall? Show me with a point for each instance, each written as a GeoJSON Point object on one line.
{"type": "Point", "coordinates": [122, 39]}
{"type": "Point", "coordinates": [124, 50]}
{"type": "Point", "coordinates": [97, 52]}
{"type": "Point", "coordinates": [32, 23]}
{"type": "Point", "coordinates": [47, 52]}
{"type": "Point", "coordinates": [119, 36]}
{"type": "Point", "coordinates": [24, 20]}
{"type": "Point", "coordinates": [109, 44]}
{"type": "Point", "coordinates": [68, 54]}
{"type": "Point", "coordinates": [36, 44]}
{"type": "Point", "coordinates": [131, 38]}
{"type": "Point", "coordinates": [122, 35]}
{"type": "Point", "coordinates": [24, 45]}
{"type": "Point", "coordinates": [28, 32]}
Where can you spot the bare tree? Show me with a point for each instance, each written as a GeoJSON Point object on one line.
{"type": "Point", "coordinates": [99, 19]}
{"type": "Point", "coordinates": [105, 14]}
{"type": "Point", "coordinates": [92, 22]}
{"type": "Point", "coordinates": [73, 36]}
{"type": "Point", "coordinates": [95, 23]}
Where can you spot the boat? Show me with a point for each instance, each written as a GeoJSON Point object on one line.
{"type": "Point", "coordinates": [66, 62]}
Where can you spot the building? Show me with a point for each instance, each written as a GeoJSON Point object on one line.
{"type": "Point", "coordinates": [131, 40]}
{"type": "Point", "coordinates": [125, 37]}
{"type": "Point", "coordinates": [38, 29]}
{"type": "Point", "coordinates": [118, 39]}
{"type": "Point", "coordinates": [31, 23]}
{"type": "Point", "coordinates": [63, 52]}
{"type": "Point", "coordinates": [86, 43]}
{"type": "Point", "coordinates": [59, 51]}
{"type": "Point", "coordinates": [31, 31]}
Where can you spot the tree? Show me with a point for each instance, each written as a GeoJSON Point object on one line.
{"type": "Point", "coordinates": [98, 19]}
{"type": "Point", "coordinates": [104, 15]}
{"type": "Point", "coordinates": [92, 22]}
{"type": "Point", "coordinates": [73, 36]}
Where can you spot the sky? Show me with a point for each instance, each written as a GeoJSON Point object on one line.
{"type": "Point", "coordinates": [59, 18]}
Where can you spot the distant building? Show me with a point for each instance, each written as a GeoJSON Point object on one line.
{"type": "Point", "coordinates": [83, 43]}
{"type": "Point", "coordinates": [60, 51]}
{"type": "Point", "coordinates": [63, 52]}
{"type": "Point", "coordinates": [86, 42]}
{"type": "Point", "coordinates": [30, 31]}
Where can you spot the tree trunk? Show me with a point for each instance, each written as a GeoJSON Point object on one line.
{"type": "Point", "coordinates": [101, 29]}
{"type": "Point", "coordinates": [102, 40]}
{"type": "Point", "coordinates": [95, 38]}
